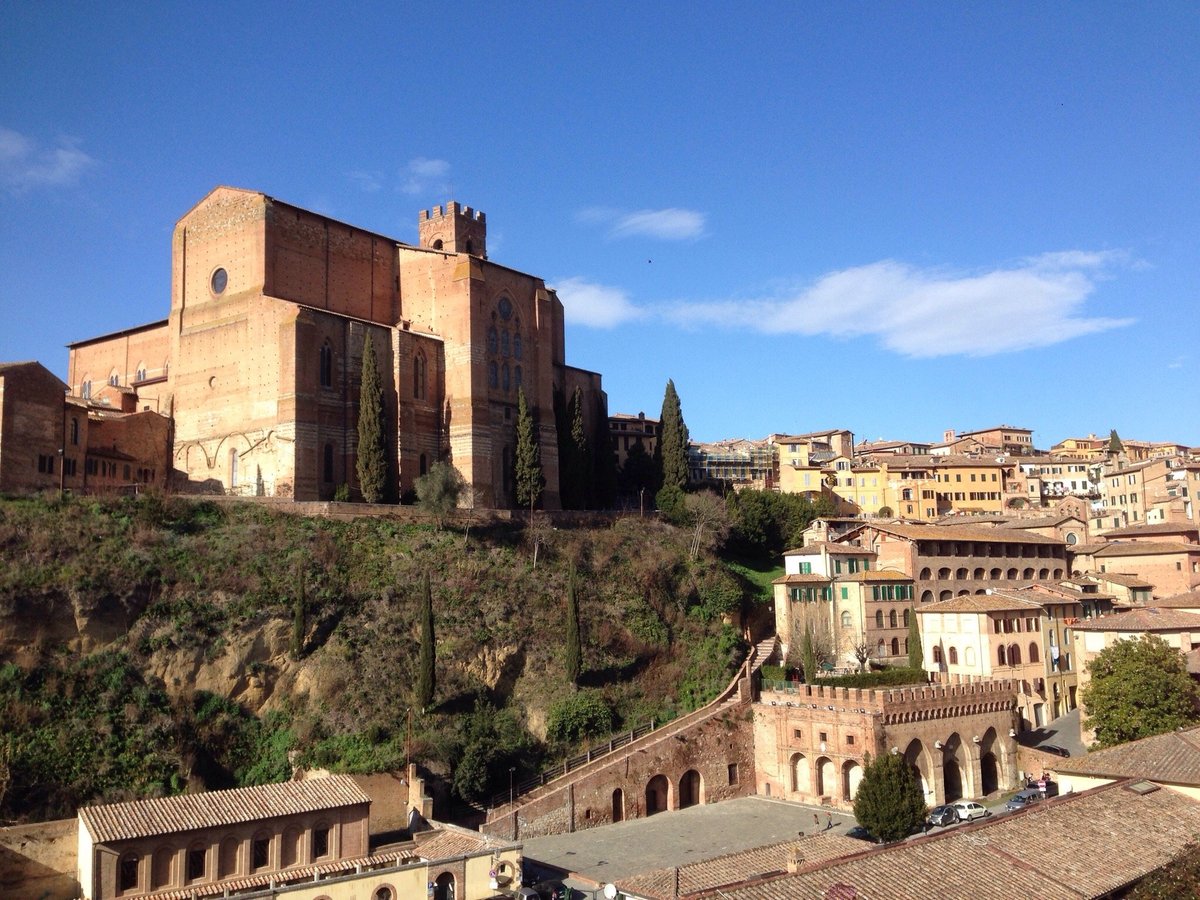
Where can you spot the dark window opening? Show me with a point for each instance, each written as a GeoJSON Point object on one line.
{"type": "Point", "coordinates": [195, 864]}
{"type": "Point", "coordinates": [261, 853]}
{"type": "Point", "coordinates": [327, 467]}
{"type": "Point", "coordinates": [320, 842]}
{"type": "Point", "coordinates": [326, 365]}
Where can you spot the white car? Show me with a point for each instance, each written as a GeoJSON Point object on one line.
{"type": "Point", "coordinates": [966, 810]}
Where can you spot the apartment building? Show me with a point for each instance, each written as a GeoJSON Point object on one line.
{"type": "Point", "coordinates": [955, 560]}
{"type": "Point", "coordinates": [859, 610]}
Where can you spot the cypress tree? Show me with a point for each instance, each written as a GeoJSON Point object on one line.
{"type": "Point", "coordinates": [604, 460]}
{"type": "Point", "coordinates": [581, 463]}
{"type": "Point", "coordinates": [372, 457]}
{"type": "Point", "coordinates": [299, 611]}
{"type": "Point", "coordinates": [528, 464]}
{"type": "Point", "coordinates": [672, 442]}
{"type": "Point", "coordinates": [916, 655]}
{"type": "Point", "coordinates": [427, 664]}
{"type": "Point", "coordinates": [573, 663]}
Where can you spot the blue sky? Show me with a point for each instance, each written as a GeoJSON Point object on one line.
{"type": "Point", "coordinates": [891, 218]}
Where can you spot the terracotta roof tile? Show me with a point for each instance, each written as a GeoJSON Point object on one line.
{"type": "Point", "coordinates": [1155, 528]}
{"type": "Point", "coordinates": [1125, 579]}
{"type": "Point", "coordinates": [1172, 758]}
{"type": "Point", "coordinates": [875, 575]}
{"type": "Point", "coordinates": [802, 579]}
{"type": "Point", "coordinates": [980, 603]}
{"type": "Point", "coordinates": [737, 867]}
{"type": "Point", "coordinates": [815, 548]}
{"type": "Point", "coordinates": [964, 533]}
{"type": "Point", "coordinates": [1080, 846]}
{"type": "Point", "coordinates": [1145, 548]}
{"type": "Point", "coordinates": [1147, 619]}
{"type": "Point", "coordinates": [1179, 601]}
{"type": "Point", "coordinates": [189, 812]}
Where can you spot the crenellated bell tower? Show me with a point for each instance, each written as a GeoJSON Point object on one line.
{"type": "Point", "coordinates": [454, 228]}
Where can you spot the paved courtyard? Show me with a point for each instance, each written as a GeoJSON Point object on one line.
{"type": "Point", "coordinates": [676, 838]}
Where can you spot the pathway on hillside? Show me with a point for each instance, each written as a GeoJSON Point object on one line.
{"type": "Point", "coordinates": [724, 701]}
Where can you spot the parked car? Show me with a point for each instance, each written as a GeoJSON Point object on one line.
{"type": "Point", "coordinates": [966, 810]}
{"type": "Point", "coordinates": [861, 834]}
{"type": "Point", "coordinates": [1024, 798]}
{"type": "Point", "coordinates": [1056, 750]}
{"type": "Point", "coordinates": [943, 815]}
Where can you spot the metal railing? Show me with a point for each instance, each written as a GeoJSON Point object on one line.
{"type": "Point", "coordinates": [616, 742]}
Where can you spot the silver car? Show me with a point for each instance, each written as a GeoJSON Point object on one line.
{"type": "Point", "coordinates": [966, 810]}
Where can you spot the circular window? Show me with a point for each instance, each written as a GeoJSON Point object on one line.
{"type": "Point", "coordinates": [220, 278]}
{"type": "Point", "coordinates": [505, 308]}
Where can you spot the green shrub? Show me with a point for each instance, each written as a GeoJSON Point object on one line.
{"type": "Point", "coordinates": [583, 714]}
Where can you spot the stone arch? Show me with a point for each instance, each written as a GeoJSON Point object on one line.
{"type": "Point", "coordinates": [917, 757]}
{"type": "Point", "coordinates": [691, 789]}
{"type": "Point", "coordinates": [852, 772]}
{"type": "Point", "coordinates": [658, 795]}
{"type": "Point", "coordinates": [926, 596]}
{"type": "Point", "coordinates": [618, 805]}
{"type": "Point", "coordinates": [945, 595]}
{"type": "Point", "coordinates": [443, 887]}
{"type": "Point", "coordinates": [955, 771]}
{"type": "Point", "coordinates": [991, 755]}
{"type": "Point", "coordinates": [801, 773]}
{"type": "Point", "coordinates": [826, 772]}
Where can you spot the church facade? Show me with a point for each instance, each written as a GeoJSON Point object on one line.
{"type": "Point", "coordinates": [259, 362]}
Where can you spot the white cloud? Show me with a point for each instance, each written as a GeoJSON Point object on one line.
{"type": "Point", "coordinates": [671, 224]}
{"type": "Point", "coordinates": [423, 174]}
{"type": "Point", "coordinates": [367, 181]}
{"type": "Point", "coordinates": [595, 305]}
{"type": "Point", "coordinates": [25, 165]}
{"type": "Point", "coordinates": [923, 313]}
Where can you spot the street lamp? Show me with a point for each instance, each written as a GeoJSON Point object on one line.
{"type": "Point", "coordinates": [511, 770]}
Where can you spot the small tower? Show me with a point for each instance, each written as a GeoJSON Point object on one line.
{"type": "Point", "coordinates": [454, 228]}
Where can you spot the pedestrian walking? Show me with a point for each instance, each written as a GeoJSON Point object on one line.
{"type": "Point", "coordinates": [816, 822]}
{"type": "Point", "coordinates": [828, 820]}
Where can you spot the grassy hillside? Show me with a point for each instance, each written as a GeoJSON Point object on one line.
{"type": "Point", "coordinates": [148, 643]}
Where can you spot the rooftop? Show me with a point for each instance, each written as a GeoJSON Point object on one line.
{"type": "Point", "coordinates": [964, 533]}
{"type": "Point", "coordinates": [1145, 619]}
{"type": "Point", "coordinates": [1171, 758]}
{"type": "Point", "coordinates": [815, 549]}
{"type": "Point", "coordinates": [1048, 851]}
{"type": "Point", "coordinates": [1145, 548]}
{"type": "Point", "coordinates": [214, 809]}
{"type": "Point", "coordinates": [980, 603]}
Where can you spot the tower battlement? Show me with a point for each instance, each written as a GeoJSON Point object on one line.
{"type": "Point", "coordinates": [453, 228]}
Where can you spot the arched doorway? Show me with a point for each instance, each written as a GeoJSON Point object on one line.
{"type": "Point", "coordinates": [918, 758]}
{"type": "Point", "coordinates": [443, 887]}
{"type": "Point", "coordinates": [618, 805]}
{"type": "Point", "coordinates": [826, 777]}
{"type": "Point", "coordinates": [691, 789]}
{"type": "Point", "coordinates": [657, 795]}
{"type": "Point", "coordinates": [990, 762]}
{"type": "Point", "coordinates": [801, 774]}
{"type": "Point", "coordinates": [952, 769]}
{"type": "Point", "coordinates": [851, 776]}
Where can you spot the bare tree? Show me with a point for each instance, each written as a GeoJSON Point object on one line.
{"type": "Point", "coordinates": [538, 533]}
{"type": "Point", "coordinates": [710, 521]}
{"type": "Point", "coordinates": [812, 617]}
{"type": "Point", "coordinates": [861, 649]}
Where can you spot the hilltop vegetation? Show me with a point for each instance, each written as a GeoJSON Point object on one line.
{"type": "Point", "coordinates": [148, 644]}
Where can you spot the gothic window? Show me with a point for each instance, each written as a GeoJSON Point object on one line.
{"type": "Point", "coordinates": [517, 345]}
{"type": "Point", "coordinates": [879, 618]}
{"type": "Point", "coordinates": [419, 376]}
{"type": "Point", "coordinates": [906, 612]}
{"type": "Point", "coordinates": [517, 376]}
{"type": "Point", "coordinates": [1033, 653]}
{"type": "Point", "coordinates": [504, 342]}
{"type": "Point", "coordinates": [1001, 656]}
{"type": "Point", "coordinates": [492, 339]}
{"type": "Point", "coordinates": [937, 655]}
{"type": "Point", "coordinates": [327, 464]}
{"type": "Point", "coordinates": [114, 378]}
{"type": "Point", "coordinates": [85, 389]}
{"type": "Point", "coordinates": [493, 377]}
{"type": "Point", "coordinates": [891, 618]}
{"type": "Point", "coordinates": [140, 374]}
{"type": "Point", "coordinates": [1014, 655]}
{"type": "Point", "coordinates": [506, 308]}
{"type": "Point", "coordinates": [954, 656]}
{"type": "Point", "coordinates": [504, 377]}
{"type": "Point", "coordinates": [895, 646]}
{"type": "Point", "coordinates": [326, 365]}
